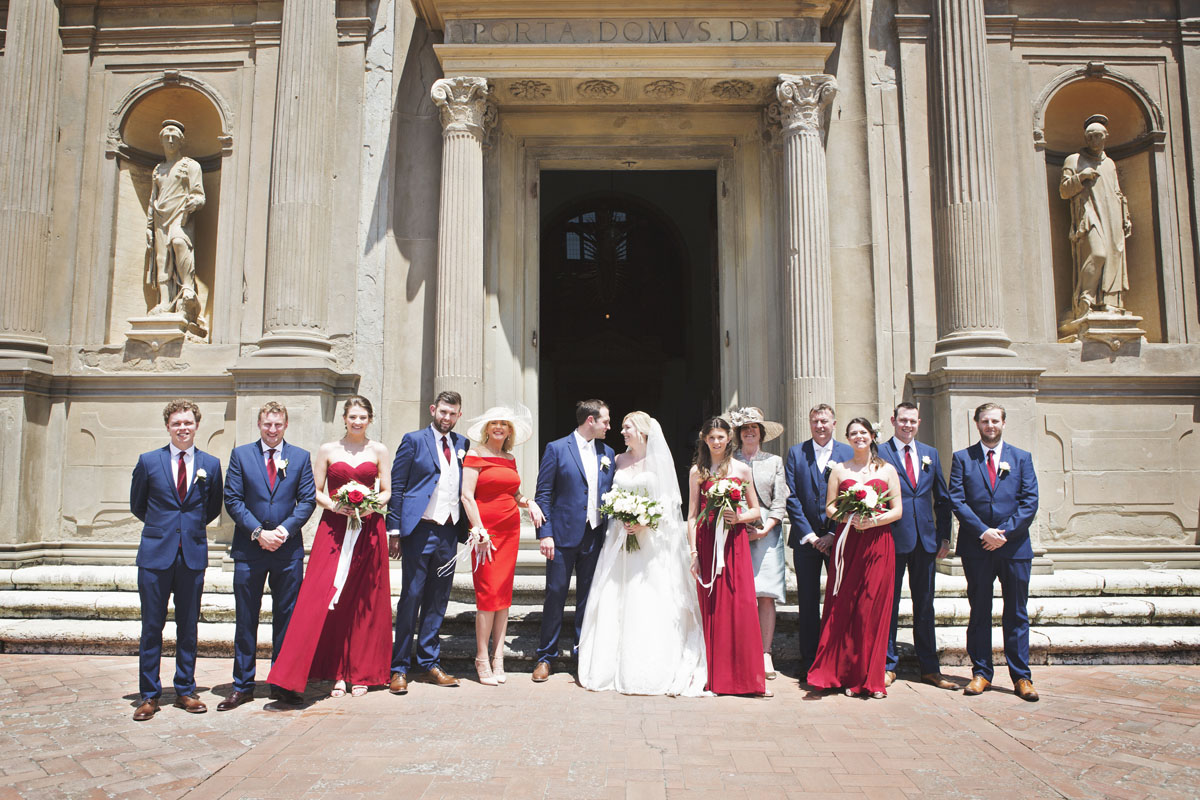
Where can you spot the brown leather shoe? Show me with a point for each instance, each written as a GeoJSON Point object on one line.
{"type": "Point", "coordinates": [190, 703]}
{"type": "Point", "coordinates": [937, 679]}
{"type": "Point", "coordinates": [977, 685]}
{"type": "Point", "coordinates": [146, 710]}
{"type": "Point", "coordinates": [1025, 691]}
{"type": "Point", "coordinates": [438, 675]}
{"type": "Point", "coordinates": [398, 684]}
{"type": "Point", "coordinates": [234, 700]}
{"type": "Point", "coordinates": [541, 672]}
{"type": "Point", "coordinates": [889, 678]}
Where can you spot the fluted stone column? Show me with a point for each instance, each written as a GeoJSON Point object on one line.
{"type": "Point", "coordinates": [466, 113]}
{"type": "Point", "coordinates": [298, 225]}
{"type": "Point", "coordinates": [28, 132]}
{"type": "Point", "coordinates": [808, 301]}
{"type": "Point", "coordinates": [967, 256]}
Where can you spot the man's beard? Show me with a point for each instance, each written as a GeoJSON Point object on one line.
{"type": "Point", "coordinates": [443, 427]}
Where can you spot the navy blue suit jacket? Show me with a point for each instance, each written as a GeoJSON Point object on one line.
{"type": "Point", "coordinates": [806, 500]}
{"type": "Point", "coordinates": [251, 502]}
{"type": "Point", "coordinates": [926, 506]}
{"type": "Point", "coordinates": [562, 489]}
{"type": "Point", "coordinates": [169, 524]}
{"type": "Point", "coordinates": [415, 474]}
{"type": "Point", "coordinates": [1010, 507]}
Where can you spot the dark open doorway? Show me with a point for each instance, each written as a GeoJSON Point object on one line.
{"type": "Point", "coordinates": [628, 300]}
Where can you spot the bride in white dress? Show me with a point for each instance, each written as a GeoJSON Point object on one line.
{"type": "Point", "coordinates": [641, 628]}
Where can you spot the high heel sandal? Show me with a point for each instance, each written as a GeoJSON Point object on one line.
{"type": "Point", "coordinates": [484, 669]}
{"type": "Point", "coordinates": [358, 690]}
{"type": "Point", "coordinates": [498, 669]}
{"type": "Point", "coordinates": [339, 689]}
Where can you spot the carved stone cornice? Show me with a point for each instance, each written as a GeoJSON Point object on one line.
{"type": "Point", "coordinates": [802, 100]}
{"type": "Point", "coordinates": [465, 104]}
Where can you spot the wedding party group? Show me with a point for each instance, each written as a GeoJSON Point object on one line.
{"type": "Point", "coordinates": [665, 604]}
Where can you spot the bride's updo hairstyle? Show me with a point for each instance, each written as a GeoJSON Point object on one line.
{"type": "Point", "coordinates": [703, 459]}
{"type": "Point", "coordinates": [876, 461]}
{"type": "Point", "coordinates": [641, 422]}
{"type": "Point", "coordinates": [361, 402]}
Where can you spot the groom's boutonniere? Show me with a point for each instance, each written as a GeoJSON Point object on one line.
{"type": "Point", "coordinates": [925, 462]}
{"type": "Point", "coordinates": [1003, 468]}
{"type": "Point", "coordinates": [461, 454]}
{"type": "Point", "coordinates": [201, 475]}
{"type": "Point", "coordinates": [827, 471]}
{"type": "Point", "coordinates": [605, 463]}
{"type": "Point", "coordinates": [282, 464]}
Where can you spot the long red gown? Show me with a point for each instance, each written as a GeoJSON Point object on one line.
{"type": "Point", "coordinates": [498, 510]}
{"type": "Point", "coordinates": [353, 642]}
{"type": "Point", "coordinates": [852, 651]}
{"type": "Point", "coordinates": [729, 612]}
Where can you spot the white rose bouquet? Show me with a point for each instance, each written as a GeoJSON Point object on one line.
{"type": "Point", "coordinates": [631, 508]}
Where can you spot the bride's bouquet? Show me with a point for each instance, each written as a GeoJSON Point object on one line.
{"type": "Point", "coordinates": [631, 508]}
{"type": "Point", "coordinates": [362, 500]}
{"type": "Point", "coordinates": [866, 498]}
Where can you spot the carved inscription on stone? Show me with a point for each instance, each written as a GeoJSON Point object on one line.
{"type": "Point", "coordinates": [629, 31]}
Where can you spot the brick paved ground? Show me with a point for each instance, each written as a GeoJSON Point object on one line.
{"type": "Point", "coordinates": [1112, 731]}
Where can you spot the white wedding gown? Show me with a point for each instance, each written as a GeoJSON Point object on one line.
{"type": "Point", "coordinates": [641, 628]}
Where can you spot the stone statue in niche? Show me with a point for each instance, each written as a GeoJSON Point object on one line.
{"type": "Point", "coordinates": [1100, 225]}
{"type": "Point", "coordinates": [176, 194]}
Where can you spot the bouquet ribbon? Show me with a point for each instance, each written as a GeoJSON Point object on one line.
{"type": "Point", "coordinates": [353, 529]}
{"type": "Point", "coordinates": [448, 567]}
{"type": "Point", "coordinates": [839, 550]}
{"type": "Point", "coordinates": [720, 535]}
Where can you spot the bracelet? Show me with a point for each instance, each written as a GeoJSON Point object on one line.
{"type": "Point", "coordinates": [696, 552]}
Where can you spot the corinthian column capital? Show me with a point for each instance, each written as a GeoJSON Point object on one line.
{"type": "Point", "coordinates": [802, 102]}
{"type": "Point", "coordinates": [466, 105]}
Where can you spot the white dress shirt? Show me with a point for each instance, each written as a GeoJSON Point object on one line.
{"type": "Point", "coordinates": [996, 458]}
{"type": "Point", "coordinates": [278, 457]}
{"type": "Point", "coordinates": [823, 454]}
{"type": "Point", "coordinates": [587, 454]}
{"type": "Point", "coordinates": [189, 461]}
{"type": "Point", "coordinates": [444, 504]}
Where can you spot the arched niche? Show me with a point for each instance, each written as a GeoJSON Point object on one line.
{"type": "Point", "coordinates": [1136, 136]}
{"type": "Point", "coordinates": [133, 142]}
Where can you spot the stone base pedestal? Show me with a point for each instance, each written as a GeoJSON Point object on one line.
{"type": "Point", "coordinates": [158, 330]}
{"type": "Point", "coordinates": [952, 565]}
{"type": "Point", "coordinates": [1113, 328]}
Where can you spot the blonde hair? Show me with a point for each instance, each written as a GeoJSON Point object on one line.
{"type": "Point", "coordinates": [508, 440]}
{"type": "Point", "coordinates": [641, 422]}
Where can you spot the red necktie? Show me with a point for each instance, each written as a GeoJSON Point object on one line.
{"type": "Point", "coordinates": [908, 465]}
{"type": "Point", "coordinates": [992, 467]}
{"type": "Point", "coordinates": [446, 449]}
{"type": "Point", "coordinates": [271, 467]}
{"type": "Point", "coordinates": [181, 479]}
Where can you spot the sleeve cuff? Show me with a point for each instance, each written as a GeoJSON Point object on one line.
{"type": "Point", "coordinates": [809, 538]}
{"type": "Point", "coordinates": [284, 531]}
{"type": "Point", "coordinates": [393, 532]}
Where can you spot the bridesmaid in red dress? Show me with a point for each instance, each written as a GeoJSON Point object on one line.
{"type": "Point", "coordinates": [852, 651]}
{"type": "Point", "coordinates": [492, 500]}
{"type": "Point", "coordinates": [342, 627]}
{"type": "Point", "coordinates": [728, 603]}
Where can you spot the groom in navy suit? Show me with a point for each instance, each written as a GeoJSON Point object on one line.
{"type": "Point", "coordinates": [921, 536]}
{"type": "Point", "coordinates": [269, 494]}
{"type": "Point", "coordinates": [807, 473]}
{"type": "Point", "coordinates": [175, 492]}
{"type": "Point", "coordinates": [423, 521]}
{"type": "Point", "coordinates": [995, 495]}
{"type": "Point", "coordinates": [575, 471]}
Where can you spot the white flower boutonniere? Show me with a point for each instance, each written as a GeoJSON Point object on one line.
{"type": "Point", "coordinates": [1003, 467]}
{"type": "Point", "coordinates": [461, 454]}
{"type": "Point", "coordinates": [605, 463]}
{"type": "Point", "coordinates": [925, 462]}
{"type": "Point", "coordinates": [282, 464]}
{"type": "Point", "coordinates": [201, 475]}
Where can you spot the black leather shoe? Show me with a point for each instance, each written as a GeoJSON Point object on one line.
{"type": "Point", "coordinates": [286, 696]}
{"type": "Point", "coordinates": [234, 700]}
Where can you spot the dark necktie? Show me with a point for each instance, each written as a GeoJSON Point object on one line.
{"type": "Point", "coordinates": [271, 467]}
{"type": "Point", "coordinates": [992, 467]}
{"type": "Point", "coordinates": [908, 465]}
{"type": "Point", "coordinates": [446, 449]}
{"type": "Point", "coordinates": [181, 479]}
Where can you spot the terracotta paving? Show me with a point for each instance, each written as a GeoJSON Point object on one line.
{"type": "Point", "coordinates": [1099, 732]}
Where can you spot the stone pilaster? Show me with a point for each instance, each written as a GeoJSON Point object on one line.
{"type": "Point", "coordinates": [28, 132]}
{"type": "Point", "coordinates": [467, 114]}
{"type": "Point", "coordinates": [298, 231]}
{"type": "Point", "coordinates": [808, 292]}
{"type": "Point", "coordinates": [967, 255]}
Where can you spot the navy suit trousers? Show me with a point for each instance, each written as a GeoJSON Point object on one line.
{"type": "Point", "coordinates": [808, 561]}
{"type": "Point", "coordinates": [920, 566]}
{"type": "Point", "coordinates": [155, 587]}
{"type": "Point", "coordinates": [423, 595]}
{"type": "Point", "coordinates": [249, 578]}
{"type": "Point", "coordinates": [981, 575]}
{"type": "Point", "coordinates": [582, 560]}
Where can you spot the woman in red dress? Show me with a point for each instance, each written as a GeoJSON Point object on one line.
{"type": "Point", "coordinates": [492, 500]}
{"type": "Point", "coordinates": [728, 602]}
{"type": "Point", "coordinates": [341, 629]}
{"type": "Point", "coordinates": [852, 651]}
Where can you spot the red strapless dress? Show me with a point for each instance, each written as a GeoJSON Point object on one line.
{"type": "Point", "coordinates": [729, 613]}
{"type": "Point", "coordinates": [353, 642]}
{"type": "Point", "coordinates": [852, 652]}
{"type": "Point", "coordinates": [494, 494]}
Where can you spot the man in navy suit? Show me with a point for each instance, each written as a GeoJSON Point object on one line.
{"type": "Point", "coordinates": [175, 492]}
{"type": "Point", "coordinates": [921, 536]}
{"type": "Point", "coordinates": [575, 471]}
{"type": "Point", "coordinates": [423, 520]}
{"type": "Point", "coordinates": [807, 473]}
{"type": "Point", "coordinates": [995, 495]}
{"type": "Point", "coordinates": [269, 494]}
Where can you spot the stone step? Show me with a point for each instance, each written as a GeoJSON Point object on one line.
{"type": "Point", "coordinates": [1048, 645]}
{"type": "Point", "coordinates": [219, 607]}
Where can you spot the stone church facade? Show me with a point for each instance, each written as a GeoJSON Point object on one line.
{"type": "Point", "coordinates": [674, 205]}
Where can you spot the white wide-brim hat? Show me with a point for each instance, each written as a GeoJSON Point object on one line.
{"type": "Point", "coordinates": [518, 416]}
{"type": "Point", "coordinates": [750, 415]}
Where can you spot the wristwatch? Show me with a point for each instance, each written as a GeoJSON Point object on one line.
{"type": "Point", "coordinates": [256, 533]}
